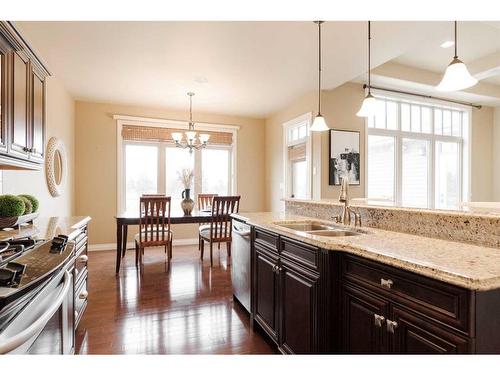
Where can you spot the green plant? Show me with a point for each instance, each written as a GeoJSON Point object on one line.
{"type": "Point", "coordinates": [11, 205]}
{"type": "Point", "coordinates": [33, 200]}
{"type": "Point", "coordinates": [28, 205]}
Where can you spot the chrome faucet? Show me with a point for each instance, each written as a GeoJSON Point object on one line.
{"type": "Point", "coordinates": [345, 216]}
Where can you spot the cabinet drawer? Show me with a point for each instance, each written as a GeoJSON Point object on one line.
{"type": "Point", "coordinates": [81, 298]}
{"type": "Point", "coordinates": [267, 239]}
{"type": "Point", "coordinates": [437, 300]}
{"type": "Point", "coordinates": [81, 263]}
{"type": "Point", "coordinates": [300, 252]}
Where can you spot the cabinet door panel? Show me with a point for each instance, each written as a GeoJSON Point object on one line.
{"type": "Point", "coordinates": [266, 298]}
{"type": "Point", "coordinates": [360, 333]}
{"type": "Point", "coordinates": [3, 97]}
{"type": "Point", "coordinates": [299, 310]}
{"type": "Point", "coordinates": [38, 121]}
{"type": "Point", "coordinates": [414, 335]}
{"type": "Point", "coordinates": [19, 135]}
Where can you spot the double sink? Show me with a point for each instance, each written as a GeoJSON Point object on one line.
{"type": "Point", "coordinates": [320, 229]}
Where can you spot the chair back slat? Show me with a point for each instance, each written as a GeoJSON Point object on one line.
{"type": "Point", "coordinates": [205, 201]}
{"type": "Point", "coordinates": [222, 207]}
{"type": "Point", "coordinates": [154, 221]}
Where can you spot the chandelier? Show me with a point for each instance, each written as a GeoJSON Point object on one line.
{"type": "Point", "coordinates": [192, 141]}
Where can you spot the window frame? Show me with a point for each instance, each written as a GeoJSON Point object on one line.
{"type": "Point", "coordinates": [398, 134]}
{"type": "Point", "coordinates": [305, 119]}
{"type": "Point", "coordinates": [122, 120]}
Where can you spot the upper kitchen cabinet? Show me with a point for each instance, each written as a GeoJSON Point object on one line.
{"type": "Point", "coordinates": [22, 143]}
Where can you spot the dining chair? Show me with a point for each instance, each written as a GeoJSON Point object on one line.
{"type": "Point", "coordinates": [219, 230]}
{"type": "Point", "coordinates": [154, 226]}
{"type": "Point", "coordinates": [204, 203]}
{"type": "Point", "coordinates": [124, 251]}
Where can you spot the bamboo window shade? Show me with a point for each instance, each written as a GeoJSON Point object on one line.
{"type": "Point", "coordinates": [297, 152]}
{"type": "Point", "coordinates": [156, 134]}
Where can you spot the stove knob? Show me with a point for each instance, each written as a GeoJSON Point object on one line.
{"type": "Point", "coordinates": [83, 295]}
{"type": "Point", "coordinates": [83, 259]}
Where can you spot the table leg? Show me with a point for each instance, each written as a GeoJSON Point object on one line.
{"type": "Point", "coordinates": [125, 235]}
{"type": "Point", "coordinates": [119, 235]}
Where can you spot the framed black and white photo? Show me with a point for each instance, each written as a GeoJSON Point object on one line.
{"type": "Point", "coordinates": [344, 157]}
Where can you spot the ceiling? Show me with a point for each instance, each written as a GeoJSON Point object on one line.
{"type": "Point", "coordinates": [240, 68]}
{"type": "Point", "coordinates": [476, 40]}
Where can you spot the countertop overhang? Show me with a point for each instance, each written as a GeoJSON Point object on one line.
{"type": "Point", "coordinates": [465, 265]}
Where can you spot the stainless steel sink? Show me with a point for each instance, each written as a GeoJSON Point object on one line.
{"type": "Point", "coordinates": [334, 233]}
{"type": "Point", "coordinates": [320, 229]}
{"type": "Point", "coordinates": [306, 226]}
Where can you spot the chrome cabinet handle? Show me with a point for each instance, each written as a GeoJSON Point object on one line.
{"type": "Point", "coordinates": [379, 320]}
{"type": "Point", "coordinates": [275, 269]}
{"type": "Point", "coordinates": [83, 295]}
{"type": "Point", "coordinates": [391, 326]}
{"type": "Point", "coordinates": [83, 259]}
{"type": "Point", "coordinates": [386, 283]}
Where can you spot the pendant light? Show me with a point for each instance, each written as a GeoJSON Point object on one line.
{"type": "Point", "coordinates": [369, 106]}
{"type": "Point", "coordinates": [457, 76]}
{"type": "Point", "coordinates": [319, 123]}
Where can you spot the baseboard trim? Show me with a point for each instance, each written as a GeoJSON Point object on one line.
{"type": "Point", "coordinates": [131, 245]}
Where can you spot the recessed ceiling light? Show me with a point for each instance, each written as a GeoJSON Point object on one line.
{"type": "Point", "coordinates": [200, 79]}
{"type": "Point", "coordinates": [447, 44]}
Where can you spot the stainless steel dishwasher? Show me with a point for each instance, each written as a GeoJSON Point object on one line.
{"type": "Point", "coordinates": [240, 274]}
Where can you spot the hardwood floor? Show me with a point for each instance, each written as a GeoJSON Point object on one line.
{"type": "Point", "coordinates": [188, 310]}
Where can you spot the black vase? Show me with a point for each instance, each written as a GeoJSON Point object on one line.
{"type": "Point", "coordinates": [187, 204]}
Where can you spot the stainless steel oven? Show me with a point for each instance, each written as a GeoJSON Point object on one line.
{"type": "Point", "coordinates": [45, 325]}
{"type": "Point", "coordinates": [241, 272]}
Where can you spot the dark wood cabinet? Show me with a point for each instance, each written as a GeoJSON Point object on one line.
{"type": "Point", "coordinates": [363, 322]}
{"type": "Point", "coordinates": [266, 292]}
{"type": "Point", "coordinates": [37, 131]}
{"type": "Point", "coordinates": [299, 310]}
{"type": "Point", "coordinates": [286, 293]}
{"type": "Point", "coordinates": [413, 335]}
{"type": "Point", "coordinates": [22, 135]}
{"type": "Point", "coordinates": [310, 300]}
{"type": "Point", "coordinates": [19, 145]}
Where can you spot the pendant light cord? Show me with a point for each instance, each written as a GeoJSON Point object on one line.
{"type": "Point", "coordinates": [319, 67]}
{"type": "Point", "coordinates": [456, 54]}
{"type": "Point", "coordinates": [369, 56]}
{"type": "Point", "coordinates": [191, 125]}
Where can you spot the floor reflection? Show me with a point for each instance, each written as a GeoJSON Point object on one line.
{"type": "Point", "coordinates": [186, 310]}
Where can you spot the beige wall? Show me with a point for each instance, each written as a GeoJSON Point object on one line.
{"type": "Point", "coordinates": [60, 120]}
{"type": "Point", "coordinates": [482, 155]}
{"type": "Point", "coordinates": [96, 163]}
{"type": "Point", "coordinates": [339, 106]}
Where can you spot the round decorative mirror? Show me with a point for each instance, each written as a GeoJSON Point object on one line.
{"type": "Point", "coordinates": [56, 166]}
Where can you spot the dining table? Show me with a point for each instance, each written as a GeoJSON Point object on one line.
{"type": "Point", "coordinates": [125, 219]}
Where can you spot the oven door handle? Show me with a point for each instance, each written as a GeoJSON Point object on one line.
{"type": "Point", "coordinates": [34, 329]}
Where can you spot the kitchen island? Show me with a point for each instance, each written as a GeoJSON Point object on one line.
{"type": "Point", "coordinates": [374, 292]}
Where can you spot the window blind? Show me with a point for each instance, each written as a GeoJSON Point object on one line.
{"type": "Point", "coordinates": [297, 152]}
{"type": "Point", "coordinates": [156, 134]}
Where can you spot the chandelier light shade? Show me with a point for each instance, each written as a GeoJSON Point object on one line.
{"type": "Point", "coordinates": [192, 141]}
{"type": "Point", "coordinates": [369, 105]}
{"type": "Point", "coordinates": [319, 123]}
{"type": "Point", "coordinates": [457, 76]}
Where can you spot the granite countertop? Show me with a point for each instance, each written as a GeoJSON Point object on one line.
{"type": "Point", "coordinates": [465, 265]}
{"type": "Point", "coordinates": [47, 228]}
{"type": "Point", "coordinates": [481, 211]}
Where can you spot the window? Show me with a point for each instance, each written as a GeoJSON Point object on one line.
{"type": "Point", "coordinates": [417, 154]}
{"type": "Point", "coordinates": [296, 158]}
{"type": "Point", "coordinates": [150, 163]}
